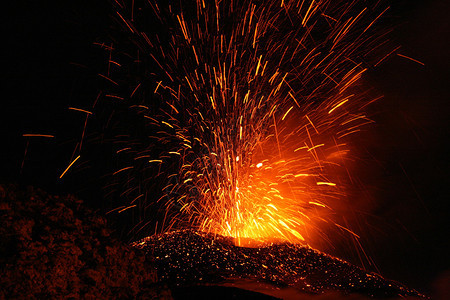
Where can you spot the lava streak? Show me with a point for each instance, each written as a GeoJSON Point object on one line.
{"type": "Point", "coordinates": [248, 111]}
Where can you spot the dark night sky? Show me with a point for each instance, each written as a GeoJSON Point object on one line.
{"type": "Point", "coordinates": [409, 147]}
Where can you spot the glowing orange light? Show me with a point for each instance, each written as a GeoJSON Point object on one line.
{"type": "Point", "coordinates": [258, 116]}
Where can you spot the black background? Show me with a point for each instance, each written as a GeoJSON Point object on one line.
{"type": "Point", "coordinates": [44, 43]}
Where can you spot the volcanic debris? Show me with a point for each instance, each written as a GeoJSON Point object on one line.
{"type": "Point", "coordinates": [53, 247]}
{"type": "Point", "coordinates": [188, 257]}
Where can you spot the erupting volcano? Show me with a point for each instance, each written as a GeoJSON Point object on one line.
{"type": "Point", "coordinates": [238, 118]}
{"type": "Point", "coordinates": [226, 143]}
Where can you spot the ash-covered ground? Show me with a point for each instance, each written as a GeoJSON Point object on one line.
{"type": "Point", "coordinates": [187, 258]}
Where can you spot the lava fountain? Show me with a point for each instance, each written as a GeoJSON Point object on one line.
{"type": "Point", "coordinates": [240, 115]}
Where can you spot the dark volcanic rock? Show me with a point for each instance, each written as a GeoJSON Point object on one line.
{"type": "Point", "coordinates": [53, 247]}
{"type": "Point", "coordinates": [189, 257]}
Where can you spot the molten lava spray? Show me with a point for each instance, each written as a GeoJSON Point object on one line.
{"type": "Point", "coordinates": [241, 112]}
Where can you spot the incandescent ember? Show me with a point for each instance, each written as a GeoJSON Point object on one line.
{"type": "Point", "coordinates": [190, 257]}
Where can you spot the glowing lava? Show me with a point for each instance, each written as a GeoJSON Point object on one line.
{"type": "Point", "coordinates": [249, 108]}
